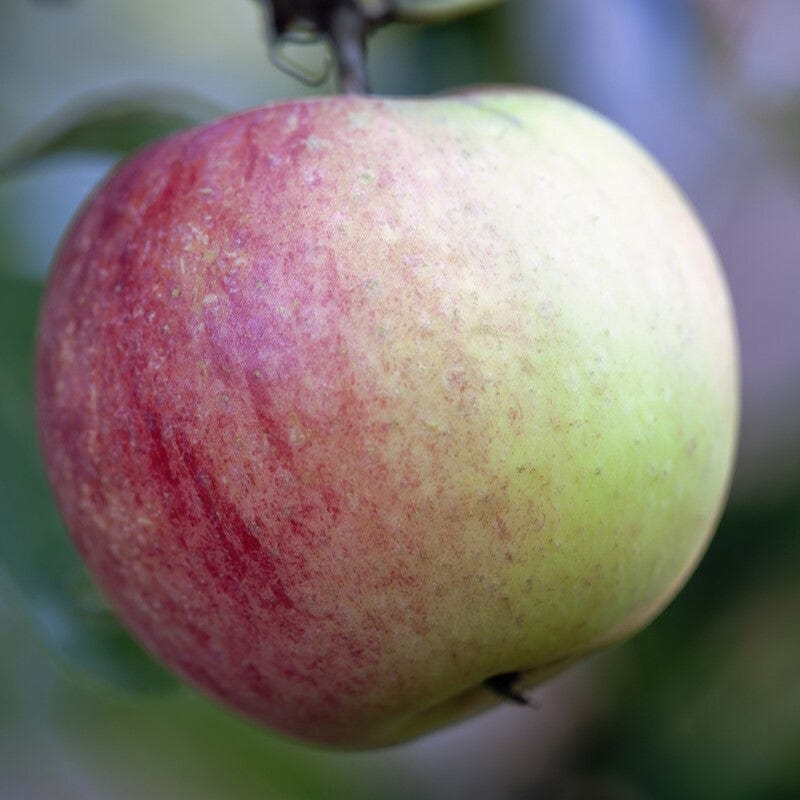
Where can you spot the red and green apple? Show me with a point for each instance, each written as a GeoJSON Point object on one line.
{"type": "Point", "coordinates": [353, 404]}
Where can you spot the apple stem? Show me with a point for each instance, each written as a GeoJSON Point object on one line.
{"type": "Point", "coordinates": [345, 24]}
{"type": "Point", "coordinates": [348, 35]}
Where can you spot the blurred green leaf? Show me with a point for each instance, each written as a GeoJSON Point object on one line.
{"type": "Point", "coordinates": [40, 566]}
{"type": "Point", "coordinates": [116, 125]}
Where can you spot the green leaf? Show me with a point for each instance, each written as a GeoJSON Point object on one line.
{"type": "Point", "coordinates": [117, 125]}
{"type": "Point", "coordinates": [38, 565]}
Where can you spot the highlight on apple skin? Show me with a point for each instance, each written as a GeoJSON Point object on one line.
{"type": "Point", "coordinates": [353, 404]}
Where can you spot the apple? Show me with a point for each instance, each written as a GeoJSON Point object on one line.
{"type": "Point", "coordinates": [364, 412]}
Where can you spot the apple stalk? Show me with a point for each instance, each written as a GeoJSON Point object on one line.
{"type": "Point", "coordinates": [344, 24]}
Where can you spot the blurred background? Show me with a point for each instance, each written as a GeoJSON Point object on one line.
{"type": "Point", "coordinates": [706, 702]}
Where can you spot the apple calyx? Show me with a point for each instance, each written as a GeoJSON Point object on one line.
{"type": "Point", "coordinates": [505, 685]}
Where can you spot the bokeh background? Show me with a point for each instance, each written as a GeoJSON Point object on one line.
{"type": "Point", "coordinates": [706, 702]}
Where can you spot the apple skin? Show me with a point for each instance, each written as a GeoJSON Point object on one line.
{"type": "Point", "coordinates": [352, 403]}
